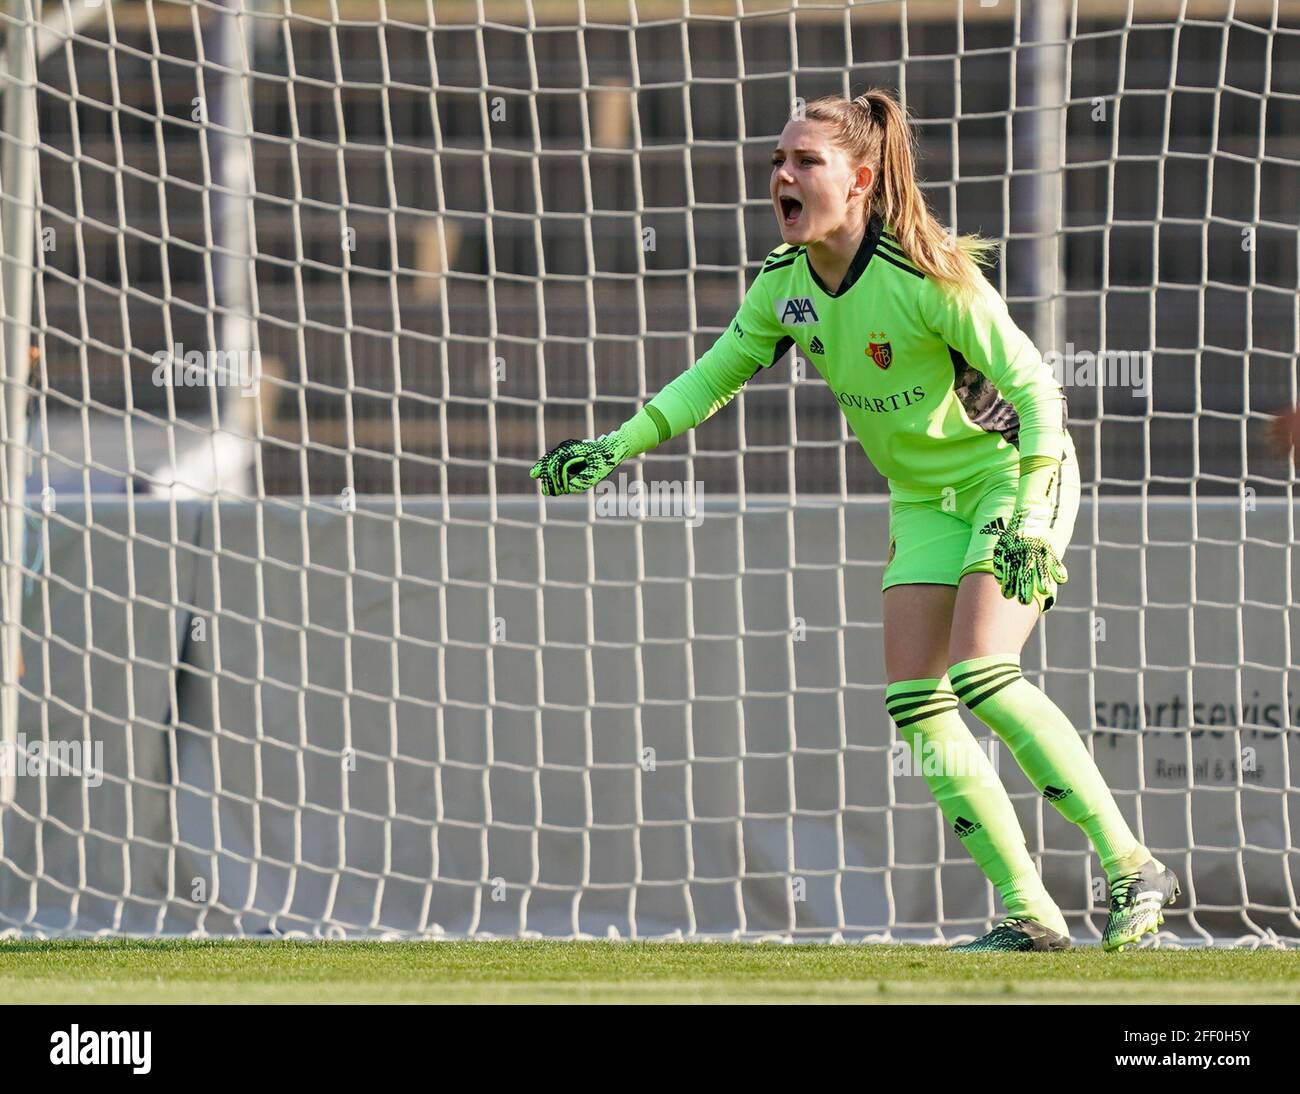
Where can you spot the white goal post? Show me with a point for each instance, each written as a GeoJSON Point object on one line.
{"type": "Point", "coordinates": [294, 293]}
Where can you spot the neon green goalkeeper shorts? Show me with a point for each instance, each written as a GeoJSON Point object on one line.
{"type": "Point", "coordinates": [941, 541]}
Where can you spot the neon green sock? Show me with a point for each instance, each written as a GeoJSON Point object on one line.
{"type": "Point", "coordinates": [970, 796]}
{"type": "Point", "coordinates": [1048, 749]}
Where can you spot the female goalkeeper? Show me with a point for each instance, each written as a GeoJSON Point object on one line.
{"type": "Point", "coordinates": [955, 407]}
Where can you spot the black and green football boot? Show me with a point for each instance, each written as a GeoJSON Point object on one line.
{"type": "Point", "coordinates": [1137, 903]}
{"type": "Point", "coordinates": [1015, 934]}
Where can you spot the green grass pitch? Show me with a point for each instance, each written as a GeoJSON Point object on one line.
{"type": "Point", "coordinates": [188, 971]}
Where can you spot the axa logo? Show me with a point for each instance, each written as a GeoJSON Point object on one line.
{"type": "Point", "coordinates": [797, 311]}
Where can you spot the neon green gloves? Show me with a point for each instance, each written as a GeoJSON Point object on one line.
{"type": "Point", "coordinates": [695, 395]}
{"type": "Point", "coordinates": [1024, 562]}
{"type": "Point", "coordinates": [574, 466]}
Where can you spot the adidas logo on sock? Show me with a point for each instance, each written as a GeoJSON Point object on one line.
{"type": "Point", "coordinates": [964, 827]}
{"type": "Point", "coordinates": [1055, 793]}
{"type": "Point", "coordinates": [994, 527]}
{"type": "Point", "coordinates": [815, 346]}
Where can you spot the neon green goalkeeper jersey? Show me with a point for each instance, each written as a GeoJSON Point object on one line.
{"type": "Point", "coordinates": [940, 391]}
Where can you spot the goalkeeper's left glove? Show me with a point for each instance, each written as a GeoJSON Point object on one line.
{"type": "Point", "coordinates": [1024, 562]}
{"type": "Point", "coordinates": [573, 466]}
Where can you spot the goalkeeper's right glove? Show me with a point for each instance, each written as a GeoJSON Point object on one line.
{"type": "Point", "coordinates": [574, 466]}
{"type": "Point", "coordinates": [1025, 565]}
{"type": "Point", "coordinates": [1024, 562]}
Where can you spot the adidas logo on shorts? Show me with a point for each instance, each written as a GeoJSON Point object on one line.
{"type": "Point", "coordinates": [994, 527]}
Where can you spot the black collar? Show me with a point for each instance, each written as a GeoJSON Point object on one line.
{"type": "Point", "coordinates": [865, 250]}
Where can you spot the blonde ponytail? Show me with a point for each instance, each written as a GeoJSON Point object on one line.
{"type": "Point", "coordinates": [874, 130]}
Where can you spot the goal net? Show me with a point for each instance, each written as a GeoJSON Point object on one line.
{"type": "Point", "coordinates": [294, 292]}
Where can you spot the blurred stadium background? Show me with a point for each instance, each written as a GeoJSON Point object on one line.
{"type": "Point", "coordinates": [519, 236]}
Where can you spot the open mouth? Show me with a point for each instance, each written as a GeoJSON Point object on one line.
{"type": "Point", "coordinates": [790, 209]}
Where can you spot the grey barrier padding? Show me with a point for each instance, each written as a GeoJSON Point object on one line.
{"type": "Point", "coordinates": [102, 624]}
{"type": "Point", "coordinates": [528, 755]}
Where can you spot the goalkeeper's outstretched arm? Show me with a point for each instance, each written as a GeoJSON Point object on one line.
{"type": "Point", "coordinates": [752, 341]}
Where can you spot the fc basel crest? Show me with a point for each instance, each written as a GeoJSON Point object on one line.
{"type": "Point", "coordinates": [882, 353]}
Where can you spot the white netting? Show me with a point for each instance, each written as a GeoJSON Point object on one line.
{"type": "Point", "coordinates": [315, 283]}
